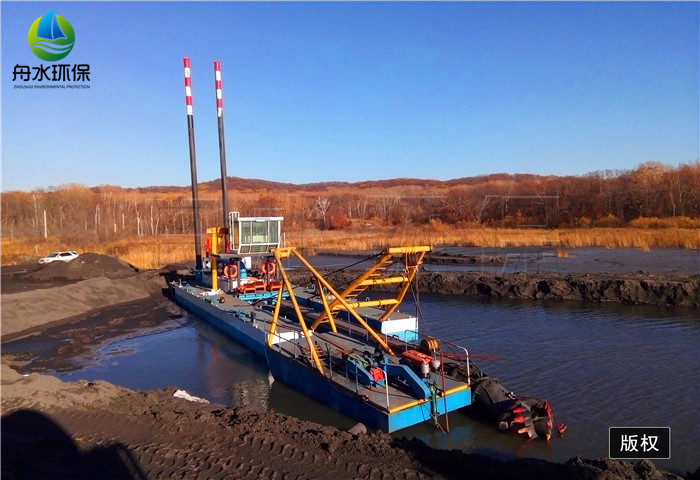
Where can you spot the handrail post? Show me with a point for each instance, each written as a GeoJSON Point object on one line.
{"type": "Point", "coordinates": [330, 360]}
{"type": "Point", "coordinates": [386, 387]}
{"type": "Point", "coordinates": [469, 378]}
{"type": "Point", "coordinates": [444, 391]}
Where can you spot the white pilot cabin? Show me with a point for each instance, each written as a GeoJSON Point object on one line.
{"type": "Point", "coordinates": [243, 254]}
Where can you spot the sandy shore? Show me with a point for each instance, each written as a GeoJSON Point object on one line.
{"type": "Point", "coordinates": [52, 429]}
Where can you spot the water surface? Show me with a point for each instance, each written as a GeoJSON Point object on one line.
{"type": "Point", "coordinates": [599, 365]}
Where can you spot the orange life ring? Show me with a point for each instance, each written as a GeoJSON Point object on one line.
{"type": "Point", "coordinates": [231, 271]}
{"type": "Point", "coordinates": [268, 267]}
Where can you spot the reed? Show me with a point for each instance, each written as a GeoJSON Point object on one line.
{"type": "Point", "coordinates": [625, 237]}
{"type": "Point", "coordinates": [156, 252]}
{"type": "Point", "coordinates": [25, 249]}
{"type": "Point", "coordinates": [141, 252]}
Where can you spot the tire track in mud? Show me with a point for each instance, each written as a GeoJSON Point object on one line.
{"type": "Point", "coordinates": [231, 449]}
{"type": "Point", "coordinates": [152, 435]}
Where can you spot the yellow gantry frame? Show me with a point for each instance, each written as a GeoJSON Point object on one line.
{"type": "Point", "coordinates": [321, 282]}
{"type": "Point", "coordinates": [412, 257]}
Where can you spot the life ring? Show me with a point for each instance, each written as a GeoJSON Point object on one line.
{"type": "Point", "coordinates": [268, 267]}
{"type": "Point", "coordinates": [430, 344]}
{"type": "Point", "coordinates": [230, 271]}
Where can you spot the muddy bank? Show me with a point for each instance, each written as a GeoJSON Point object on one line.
{"type": "Point", "coordinates": [31, 310]}
{"type": "Point", "coordinates": [70, 291]}
{"type": "Point", "coordinates": [442, 258]}
{"type": "Point", "coordinates": [433, 258]}
{"type": "Point", "coordinates": [68, 345]}
{"type": "Point", "coordinates": [93, 430]}
{"type": "Point", "coordinates": [635, 288]}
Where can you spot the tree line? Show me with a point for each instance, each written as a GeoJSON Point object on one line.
{"type": "Point", "coordinates": [601, 198]}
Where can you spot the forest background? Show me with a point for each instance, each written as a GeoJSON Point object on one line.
{"type": "Point", "coordinates": [653, 205]}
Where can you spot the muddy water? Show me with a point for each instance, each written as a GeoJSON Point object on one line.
{"type": "Point", "coordinates": [549, 259]}
{"type": "Point", "coordinates": [581, 260]}
{"type": "Point", "coordinates": [598, 365]}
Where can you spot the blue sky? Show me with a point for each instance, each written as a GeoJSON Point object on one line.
{"type": "Point", "coordinates": [335, 91]}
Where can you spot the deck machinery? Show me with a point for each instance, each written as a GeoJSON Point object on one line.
{"type": "Point", "coordinates": [332, 353]}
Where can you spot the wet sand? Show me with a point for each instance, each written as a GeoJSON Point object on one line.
{"type": "Point", "coordinates": [52, 429]}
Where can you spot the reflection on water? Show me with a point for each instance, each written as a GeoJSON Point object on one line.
{"type": "Point", "coordinates": [598, 365]}
{"type": "Point", "coordinates": [193, 358]}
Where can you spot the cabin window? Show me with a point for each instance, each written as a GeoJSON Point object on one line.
{"type": "Point", "coordinates": [260, 232]}
{"type": "Point", "coordinates": [274, 236]}
{"type": "Point", "coordinates": [257, 235]}
{"type": "Point", "coordinates": [246, 233]}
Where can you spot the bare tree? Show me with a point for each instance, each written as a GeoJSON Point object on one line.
{"type": "Point", "coordinates": [321, 206]}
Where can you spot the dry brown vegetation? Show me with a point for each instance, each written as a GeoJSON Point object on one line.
{"type": "Point", "coordinates": [149, 252]}
{"type": "Point", "coordinates": [651, 206]}
{"type": "Point", "coordinates": [155, 252]}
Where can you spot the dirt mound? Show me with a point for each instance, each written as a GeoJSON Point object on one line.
{"type": "Point", "coordinates": [87, 265]}
{"type": "Point", "coordinates": [636, 288]}
{"type": "Point", "coordinates": [126, 434]}
{"type": "Point", "coordinates": [33, 310]}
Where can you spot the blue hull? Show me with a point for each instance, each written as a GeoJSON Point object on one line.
{"type": "Point", "coordinates": [304, 378]}
{"type": "Point", "coordinates": [314, 385]}
{"type": "Point", "coordinates": [228, 323]}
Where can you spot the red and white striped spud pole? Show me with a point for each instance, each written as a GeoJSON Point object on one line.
{"type": "Point", "coordinates": [217, 85]}
{"type": "Point", "coordinates": [193, 166]}
{"type": "Point", "coordinates": [222, 142]}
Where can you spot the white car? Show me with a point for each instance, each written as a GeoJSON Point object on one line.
{"type": "Point", "coordinates": [59, 257]}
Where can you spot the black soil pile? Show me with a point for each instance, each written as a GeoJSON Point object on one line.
{"type": "Point", "coordinates": [633, 288]}
{"type": "Point", "coordinates": [87, 265]}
